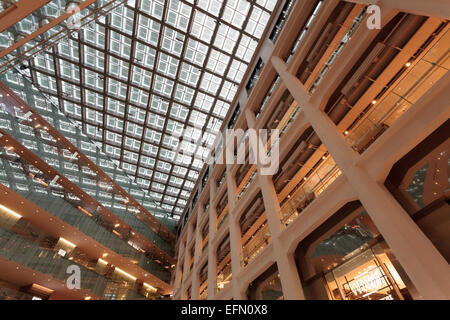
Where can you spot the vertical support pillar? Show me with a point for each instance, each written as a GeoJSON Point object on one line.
{"type": "Point", "coordinates": [289, 277]}
{"type": "Point", "coordinates": [424, 264]}
{"type": "Point", "coordinates": [198, 242]}
{"type": "Point", "coordinates": [186, 260]}
{"type": "Point", "coordinates": [235, 235]}
{"type": "Point", "coordinates": [212, 258]}
{"type": "Point", "coordinates": [177, 282]}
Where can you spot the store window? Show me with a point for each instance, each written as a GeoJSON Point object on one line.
{"type": "Point", "coordinates": [346, 258]}
{"type": "Point", "coordinates": [368, 276]}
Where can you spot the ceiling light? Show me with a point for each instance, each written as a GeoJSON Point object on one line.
{"type": "Point", "coordinates": [408, 64]}
{"type": "Point", "coordinates": [36, 288]}
{"type": "Point", "coordinates": [125, 273]}
{"type": "Point", "coordinates": [149, 286]}
{"type": "Point", "coordinates": [70, 244]}
{"type": "Point", "coordinates": [15, 214]}
{"type": "Point", "coordinates": [85, 211]}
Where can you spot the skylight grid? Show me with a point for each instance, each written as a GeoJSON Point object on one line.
{"type": "Point", "coordinates": [155, 77]}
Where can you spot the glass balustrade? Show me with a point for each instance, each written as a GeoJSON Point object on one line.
{"type": "Point", "coordinates": [46, 108]}
{"type": "Point", "coordinates": [256, 244]}
{"type": "Point", "coordinates": [21, 251]}
{"type": "Point", "coordinates": [247, 185]}
{"type": "Point", "coordinates": [303, 32]}
{"type": "Point", "coordinates": [203, 292]}
{"type": "Point", "coordinates": [419, 77]}
{"type": "Point", "coordinates": [92, 226]}
{"type": "Point", "coordinates": [68, 168]}
{"type": "Point", "coordinates": [224, 277]}
{"type": "Point", "coordinates": [336, 50]}
{"type": "Point", "coordinates": [27, 245]}
{"type": "Point", "coordinates": [221, 220]}
{"type": "Point", "coordinates": [85, 178]}
{"type": "Point", "coordinates": [310, 188]}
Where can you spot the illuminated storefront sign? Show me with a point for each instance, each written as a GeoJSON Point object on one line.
{"type": "Point", "coordinates": [368, 282]}
{"type": "Point", "coordinates": [367, 276]}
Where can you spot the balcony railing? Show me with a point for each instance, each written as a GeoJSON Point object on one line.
{"type": "Point", "coordinates": [309, 190]}
{"type": "Point", "coordinates": [303, 32]}
{"type": "Point", "coordinates": [203, 292]}
{"type": "Point", "coordinates": [224, 276]}
{"type": "Point", "coordinates": [256, 244]}
{"type": "Point", "coordinates": [246, 185]}
{"type": "Point", "coordinates": [337, 49]}
{"type": "Point", "coordinates": [267, 97]}
{"type": "Point", "coordinates": [420, 77]}
{"type": "Point", "coordinates": [48, 261]}
{"type": "Point", "coordinates": [222, 220]}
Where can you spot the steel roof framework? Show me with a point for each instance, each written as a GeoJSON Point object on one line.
{"type": "Point", "coordinates": [152, 71]}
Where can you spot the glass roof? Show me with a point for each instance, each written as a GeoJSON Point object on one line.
{"type": "Point", "coordinates": [154, 77]}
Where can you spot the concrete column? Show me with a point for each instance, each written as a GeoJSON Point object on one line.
{"type": "Point", "coordinates": [424, 264]}
{"type": "Point", "coordinates": [177, 282]}
{"type": "Point", "coordinates": [289, 277]}
{"type": "Point", "coordinates": [186, 260]}
{"type": "Point", "coordinates": [212, 258]}
{"type": "Point", "coordinates": [198, 242]}
{"type": "Point", "coordinates": [235, 235]}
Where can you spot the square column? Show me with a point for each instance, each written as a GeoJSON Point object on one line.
{"type": "Point", "coordinates": [197, 247]}
{"type": "Point", "coordinates": [186, 260]}
{"type": "Point", "coordinates": [178, 272]}
{"type": "Point", "coordinates": [289, 277]}
{"type": "Point", "coordinates": [235, 235]}
{"type": "Point", "coordinates": [212, 258]}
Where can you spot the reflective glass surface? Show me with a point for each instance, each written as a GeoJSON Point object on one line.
{"type": "Point", "coordinates": [149, 79]}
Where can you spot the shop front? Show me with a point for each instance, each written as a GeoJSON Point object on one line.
{"type": "Point", "coordinates": [346, 258]}
{"type": "Point", "coordinates": [368, 276]}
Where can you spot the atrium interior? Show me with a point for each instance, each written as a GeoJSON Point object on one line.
{"type": "Point", "coordinates": [224, 149]}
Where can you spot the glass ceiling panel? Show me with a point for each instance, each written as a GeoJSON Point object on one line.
{"type": "Point", "coordinates": [151, 78]}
